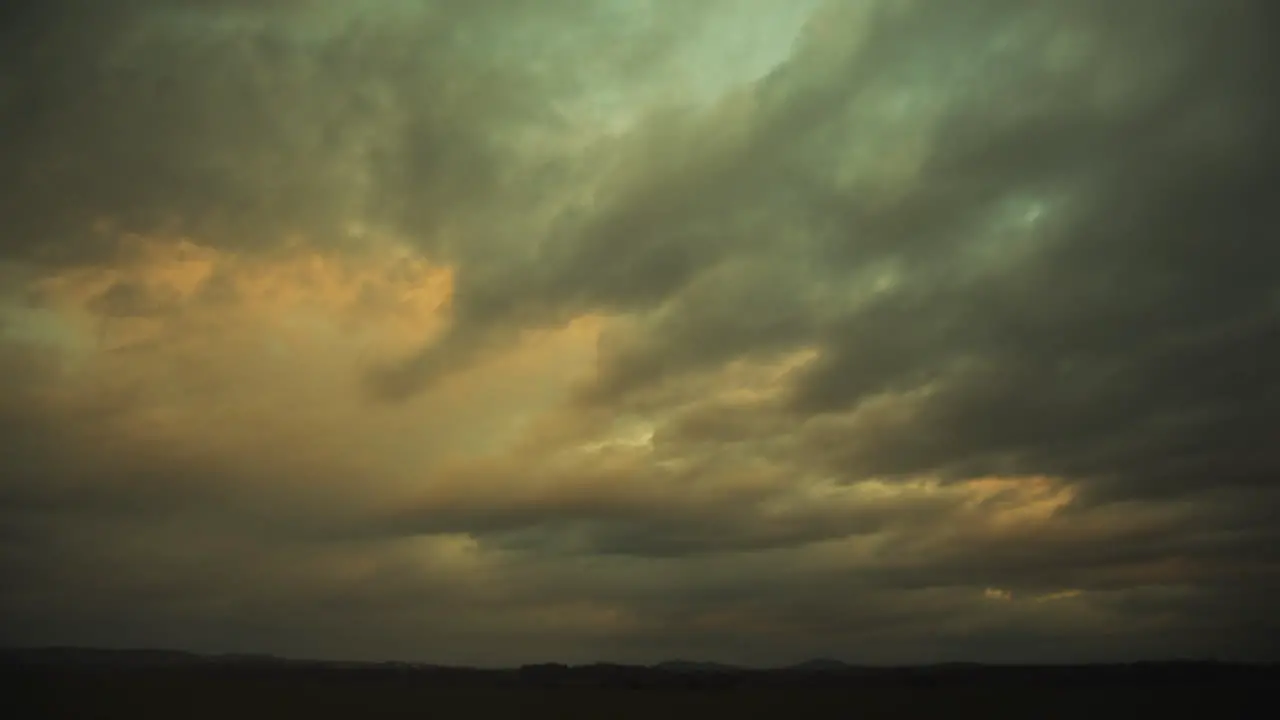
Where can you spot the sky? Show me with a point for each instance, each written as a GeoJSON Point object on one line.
{"type": "Point", "coordinates": [896, 331]}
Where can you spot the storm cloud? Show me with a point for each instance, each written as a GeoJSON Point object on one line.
{"type": "Point", "coordinates": [900, 331]}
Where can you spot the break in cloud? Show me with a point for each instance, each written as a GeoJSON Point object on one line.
{"type": "Point", "coordinates": [745, 330]}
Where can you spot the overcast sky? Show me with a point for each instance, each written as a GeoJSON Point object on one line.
{"type": "Point", "coordinates": [496, 332]}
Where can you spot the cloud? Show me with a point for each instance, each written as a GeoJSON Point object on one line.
{"type": "Point", "coordinates": [900, 332]}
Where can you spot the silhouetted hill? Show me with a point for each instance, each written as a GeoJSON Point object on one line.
{"type": "Point", "coordinates": [86, 682]}
{"type": "Point", "coordinates": [152, 658]}
{"type": "Point", "coordinates": [100, 657]}
{"type": "Point", "coordinates": [821, 665]}
{"type": "Point", "coordinates": [690, 666]}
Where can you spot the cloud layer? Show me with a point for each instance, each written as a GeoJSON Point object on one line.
{"type": "Point", "coordinates": [893, 330]}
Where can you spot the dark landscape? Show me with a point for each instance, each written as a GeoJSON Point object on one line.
{"type": "Point", "coordinates": [87, 683]}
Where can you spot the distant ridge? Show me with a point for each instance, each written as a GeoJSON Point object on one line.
{"type": "Point", "coordinates": [157, 658]}
{"type": "Point", "coordinates": [71, 656]}
{"type": "Point", "coordinates": [61, 655]}
{"type": "Point", "coordinates": [88, 682]}
{"type": "Point", "coordinates": [691, 666]}
{"type": "Point", "coordinates": [821, 665]}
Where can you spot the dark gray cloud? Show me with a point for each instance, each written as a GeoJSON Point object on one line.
{"type": "Point", "coordinates": [1027, 247]}
{"type": "Point", "coordinates": [244, 123]}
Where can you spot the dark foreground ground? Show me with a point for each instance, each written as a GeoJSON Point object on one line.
{"type": "Point", "coordinates": [247, 689]}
